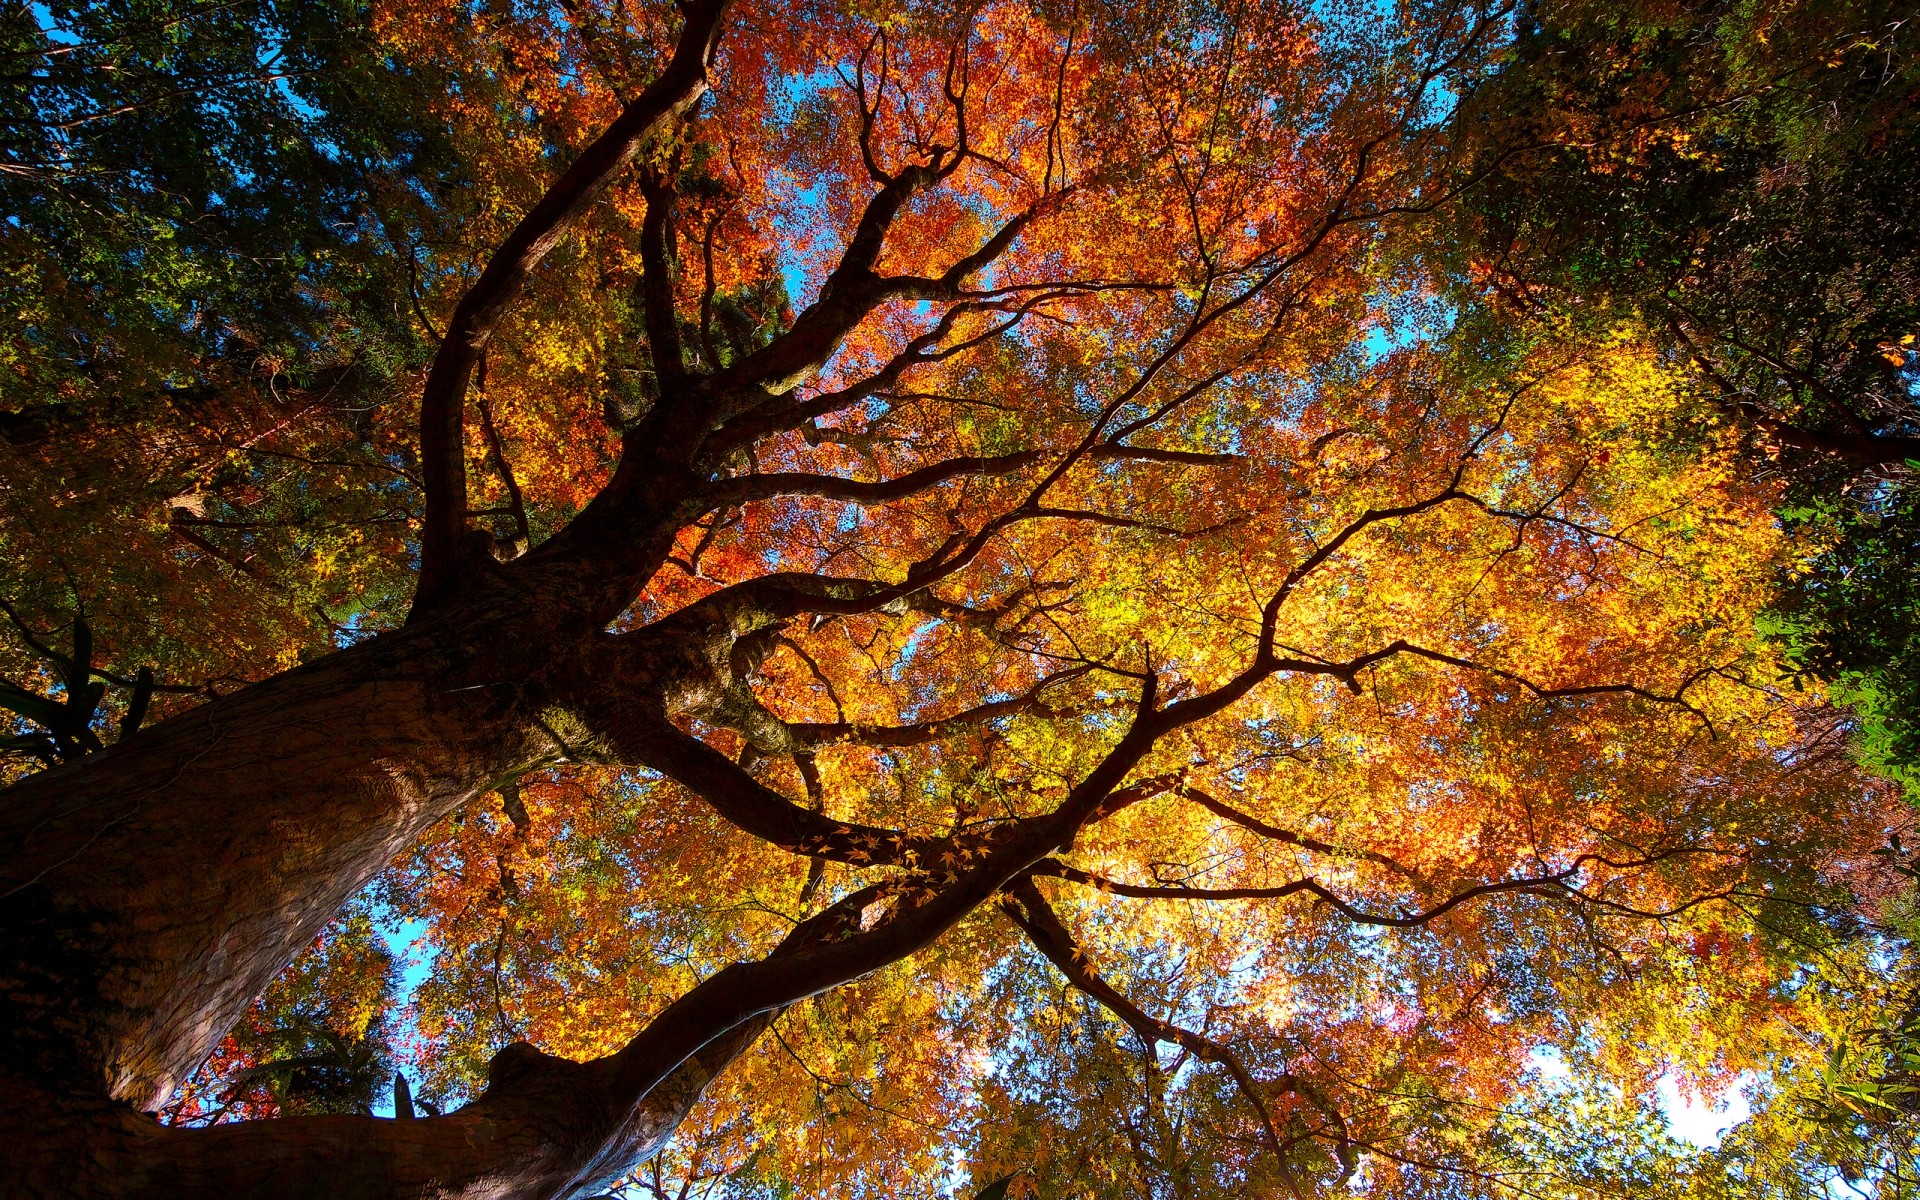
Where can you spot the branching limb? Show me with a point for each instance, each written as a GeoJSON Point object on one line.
{"type": "Point", "coordinates": [779, 411]}
{"type": "Point", "coordinates": [922, 909]}
{"type": "Point", "coordinates": [854, 290]}
{"type": "Point", "coordinates": [1024, 905]}
{"type": "Point", "coordinates": [919, 734]}
{"type": "Point", "coordinates": [1555, 884]}
{"type": "Point", "coordinates": [1114, 449]}
{"type": "Point", "coordinates": [640, 733]}
{"type": "Point", "coordinates": [1222, 809]}
{"type": "Point", "coordinates": [657, 279]}
{"type": "Point", "coordinates": [655, 112]}
{"type": "Point", "coordinates": [797, 483]}
{"type": "Point", "coordinates": [819, 675]}
{"type": "Point", "coordinates": [1111, 521]}
{"type": "Point", "coordinates": [648, 738]}
{"type": "Point", "coordinates": [246, 566]}
{"type": "Point", "coordinates": [497, 455]}
{"type": "Point", "coordinates": [987, 617]}
{"type": "Point", "coordinates": [1347, 672]}
{"type": "Point", "coordinates": [1862, 449]}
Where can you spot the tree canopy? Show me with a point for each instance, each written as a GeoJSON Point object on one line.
{"type": "Point", "coordinates": [925, 599]}
{"type": "Point", "coordinates": [1735, 181]}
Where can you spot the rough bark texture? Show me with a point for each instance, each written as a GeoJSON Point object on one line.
{"type": "Point", "coordinates": [152, 890]}
{"type": "Point", "coordinates": [147, 894]}
{"type": "Point", "coordinates": [149, 891]}
{"type": "Point", "coordinates": [544, 1127]}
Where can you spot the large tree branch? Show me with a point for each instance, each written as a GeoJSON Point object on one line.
{"type": "Point", "coordinates": [1112, 521]}
{"type": "Point", "coordinates": [765, 602]}
{"type": "Point", "coordinates": [923, 908]}
{"type": "Point", "coordinates": [477, 317]}
{"type": "Point", "coordinates": [799, 483]}
{"type": "Point", "coordinates": [770, 600]}
{"type": "Point", "coordinates": [640, 735]}
{"type": "Point", "coordinates": [657, 271]}
{"type": "Point", "coordinates": [1677, 697]}
{"type": "Point", "coordinates": [544, 1127]}
{"type": "Point", "coordinates": [1864, 450]}
{"type": "Point", "coordinates": [1114, 449]}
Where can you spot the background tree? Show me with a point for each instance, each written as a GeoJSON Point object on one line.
{"type": "Point", "coordinates": [316, 1041]}
{"type": "Point", "coordinates": [215, 232]}
{"type": "Point", "coordinates": [1736, 181]}
{"type": "Point", "coordinates": [964, 599]}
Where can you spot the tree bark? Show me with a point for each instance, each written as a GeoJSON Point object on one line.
{"type": "Point", "coordinates": [149, 891]}
{"type": "Point", "coordinates": [544, 1127]}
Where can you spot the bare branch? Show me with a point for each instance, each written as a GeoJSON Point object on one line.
{"type": "Point", "coordinates": [1246, 821]}
{"type": "Point", "coordinates": [657, 278]}
{"type": "Point", "coordinates": [1553, 885]}
{"type": "Point", "coordinates": [651, 740]}
{"type": "Point", "coordinates": [497, 454]}
{"type": "Point", "coordinates": [822, 734]}
{"type": "Point", "coordinates": [1029, 910]}
{"type": "Point", "coordinates": [1192, 458]}
{"type": "Point", "coordinates": [747, 488]}
{"type": "Point", "coordinates": [853, 291]}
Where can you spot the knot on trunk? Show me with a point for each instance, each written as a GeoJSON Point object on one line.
{"type": "Point", "coordinates": [517, 1062]}
{"type": "Point", "coordinates": [566, 1103]}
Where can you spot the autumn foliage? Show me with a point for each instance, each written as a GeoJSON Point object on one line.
{"type": "Point", "coordinates": [997, 540]}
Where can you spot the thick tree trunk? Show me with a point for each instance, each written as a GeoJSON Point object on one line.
{"type": "Point", "coordinates": [152, 889]}
{"type": "Point", "coordinates": [148, 892]}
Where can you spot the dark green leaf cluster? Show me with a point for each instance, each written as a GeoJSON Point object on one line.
{"type": "Point", "coordinates": [193, 186]}
{"type": "Point", "coordinates": [1853, 620]}
{"type": "Point", "coordinates": [1742, 178]}
{"type": "Point", "coordinates": [219, 219]}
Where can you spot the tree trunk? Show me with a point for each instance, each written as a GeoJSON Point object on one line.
{"type": "Point", "coordinates": [151, 890]}
{"type": "Point", "coordinates": [545, 1127]}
